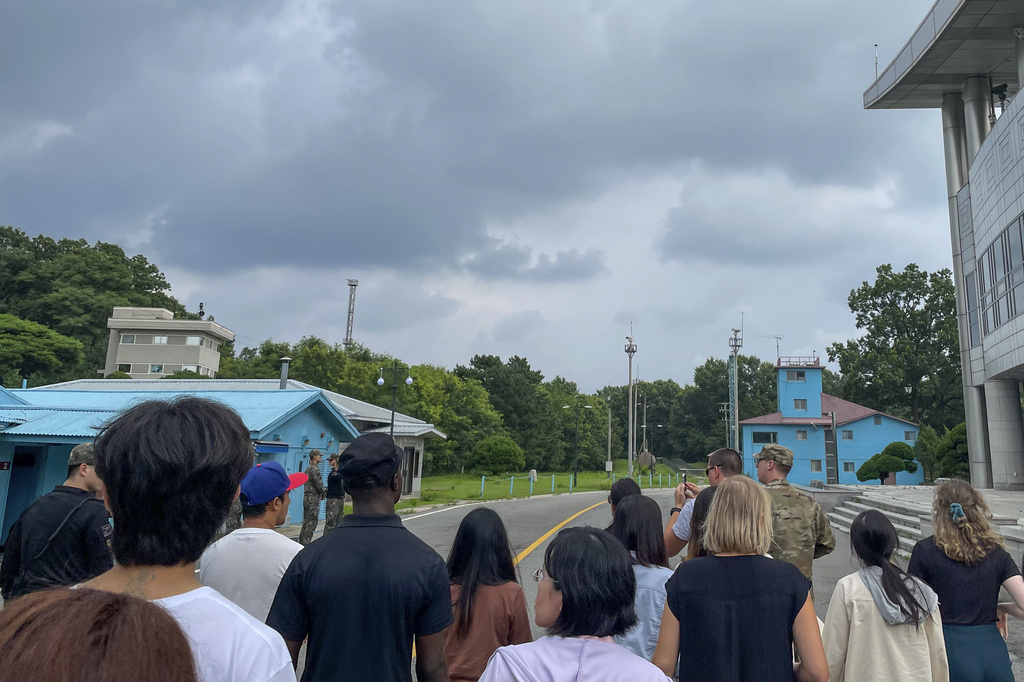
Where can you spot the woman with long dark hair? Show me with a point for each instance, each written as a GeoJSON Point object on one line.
{"type": "Point", "coordinates": [966, 564]}
{"type": "Point", "coordinates": [638, 526]}
{"type": "Point", "coordinates": [701, 506]}
{"type": "Point", "coordinates": [882, 624]}
{"type": "Point", "coordinates": [487, 601]}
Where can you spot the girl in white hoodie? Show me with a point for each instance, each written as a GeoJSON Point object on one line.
{"type": "Point", "coordinates": [882, 624]}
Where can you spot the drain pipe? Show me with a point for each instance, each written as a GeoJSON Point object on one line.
{"type": "Point", "coordinates": [284, 372]}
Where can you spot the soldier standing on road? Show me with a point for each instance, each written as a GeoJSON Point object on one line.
{"type": "Point", "coordinates": [802, 531]}
{"type": "Point", "coordinates": [314, 492]}
{"type": "Point", "coordinates": [335, 494]}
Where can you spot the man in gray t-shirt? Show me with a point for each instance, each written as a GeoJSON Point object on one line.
{"type": "Point", "coordinates": [722, 464]}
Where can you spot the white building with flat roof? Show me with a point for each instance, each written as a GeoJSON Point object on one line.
{"type": "Point", "coordinates": [148, 343]}
{"type": "Point", "coordinates": [966, 58]}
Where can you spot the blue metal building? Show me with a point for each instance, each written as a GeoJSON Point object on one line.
{"type": "Point", "coordinates": [807, 421]}
{"type": "Point", "coordinates": [38, 428]}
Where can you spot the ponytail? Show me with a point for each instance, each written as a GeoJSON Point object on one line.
{"type": "Point", "coordinates": [874, 538]}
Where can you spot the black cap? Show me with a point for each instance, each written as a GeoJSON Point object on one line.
{"type": "Point", "coordinates": [373, 454]}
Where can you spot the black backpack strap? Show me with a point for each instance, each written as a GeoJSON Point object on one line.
{"type": "Point", "coordinates": [53, 537]}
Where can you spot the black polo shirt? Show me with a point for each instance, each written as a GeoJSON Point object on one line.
{"type": "Point", "coordinates": [361, 593]}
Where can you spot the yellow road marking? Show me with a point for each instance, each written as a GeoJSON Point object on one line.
{"type": "Point", "coordinates": [536, 543]}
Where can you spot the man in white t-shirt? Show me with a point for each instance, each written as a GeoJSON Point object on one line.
{"type": "Point", "coordinates": [722, 464]}
{"type": "Point", "coordinates": [171, 471]}
{"type": "Point", "coordinates": [247, 564]}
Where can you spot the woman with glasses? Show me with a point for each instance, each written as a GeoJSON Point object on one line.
{"type": "Point", "coordinates": [487, 601]}
{"type": "Point", "coordinates": [638, 527]}
{"type": "Point", "coordinates": [737, 615]}
{"type": "Point", "coordinates": [584, 599]}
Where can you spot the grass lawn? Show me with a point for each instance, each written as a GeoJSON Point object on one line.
{"type": "Point", "coordinates": [452, 487]}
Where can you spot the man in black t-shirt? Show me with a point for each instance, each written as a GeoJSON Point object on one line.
{"type": "Point", "coordinates": [335, 494]}
{"type": "Point", "coordinates": [369, 588]}
{"type": "Point", "coordinates": [63, 538]}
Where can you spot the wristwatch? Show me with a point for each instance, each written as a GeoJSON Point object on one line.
{"type": "Point", "coordinates": [675, 510]}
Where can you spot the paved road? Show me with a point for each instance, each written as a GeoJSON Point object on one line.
{"type": "Point", "coordinates": [529, 519]}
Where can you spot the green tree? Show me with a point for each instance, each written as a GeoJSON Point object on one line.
{"type": "Point", "coordinates": [926, 451]}
{"type": "Point", "coordinates": [118, 375]}
{"type": "Point", "coordinates": [880, 466]}
{"type": "Point", "coordinates": [183, 374]}
{"type": "Point", "coordinates": [36, 352]}
{"type": "Point", "coordinates": [498, 455]}
{"type": "Point", "coordinates": [907, 359]}
{"type": "Point", "coordinates": [72, 287]}
{"type": "Point", "coordinates": [953, 459]}
{"type": "Point", "coordinates": [903, 452]}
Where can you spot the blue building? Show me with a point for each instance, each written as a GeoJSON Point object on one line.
{"type": "Point", "coordinates": [807, 421]}
{"type": "Point", "coordinates": [38, 428]}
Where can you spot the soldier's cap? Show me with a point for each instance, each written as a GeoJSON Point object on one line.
{"type": "Point", "coordinates": [315, 453]}
{"type": "Point", "coordinates": [82, 454]}
{"type": "Point", "coordinates": [776, 453]}
{"type": "Point", "coordinates": [333, 457]}
{"type": "Point", "coordinates": [266, 481]}
{"type": "Point", "coordinates": [373, 453]}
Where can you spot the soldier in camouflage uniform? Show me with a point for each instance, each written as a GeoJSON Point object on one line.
{"type": "Point", "coordinates": [335, 494]}
{"type": "Point", "coordinates": [313, 493]}
{"type": "Point", "coordinates": [802, 531]}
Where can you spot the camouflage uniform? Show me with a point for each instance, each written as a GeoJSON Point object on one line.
{"type": "Point", "coordinates": [335, 502]}
{"type": "Point", "coordinates": [314, 491]}
{"type": "Point", "coordinates": [802, 531]}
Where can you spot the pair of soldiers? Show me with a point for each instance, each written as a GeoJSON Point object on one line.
{"type": "Point", "coordinates": [315, 492]}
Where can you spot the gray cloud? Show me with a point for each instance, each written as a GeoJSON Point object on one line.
{"type": "Point", "coordinates": [514, 261]}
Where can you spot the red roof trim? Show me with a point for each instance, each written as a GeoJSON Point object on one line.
{"type": "Point", "coordinates": [846, 413]}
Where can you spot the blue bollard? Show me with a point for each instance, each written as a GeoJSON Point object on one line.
{"type": "Point", "coordinates": [570, 484]}
{"type": "Point", "coordinates": [482, 487]}
{"type": "Point", "coordinates": [613, 478]}
{"type": "Point", "coordinates": [531, 485]}
{"type": "Point", "coordinates": [650, 480]}
{"type": "Point", "coordinates": [659, 481]}
{"type": "Point", "coordinates": [511, 483]}
{"type": "Point", "coordinates": [552, 483]}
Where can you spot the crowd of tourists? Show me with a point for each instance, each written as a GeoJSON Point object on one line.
{"type": "Point", "coordinates": [87, 599]}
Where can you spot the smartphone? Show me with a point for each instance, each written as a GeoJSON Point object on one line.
{"type": "Point", "coordinates": [684, 479]}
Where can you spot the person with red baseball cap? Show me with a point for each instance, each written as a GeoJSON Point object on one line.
{"type": "Point", "coordinates": [247, 565]}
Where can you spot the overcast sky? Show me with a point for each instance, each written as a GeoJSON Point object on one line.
{"type": "Point", "coordinates": [502, 177]}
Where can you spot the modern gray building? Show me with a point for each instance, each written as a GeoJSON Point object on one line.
{"type": "Point", "coordinates": [149, 343]}
{"type": "Point", "coordinates": [967, 59]}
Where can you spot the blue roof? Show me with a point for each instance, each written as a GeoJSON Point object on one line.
{"type": "Point", "coordinates": [260, 410]}
{"type": "Point", "coordinates": [8, 398]}
{"type": "Point", "coordinates": [36, 421]}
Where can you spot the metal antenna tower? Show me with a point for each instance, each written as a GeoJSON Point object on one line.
{"type": "Point", "coordinates": [777, 339]}
{"type": "Point", "coordinates": [352, 284]}
{"type": "Point", "coordinates": [735, 343]}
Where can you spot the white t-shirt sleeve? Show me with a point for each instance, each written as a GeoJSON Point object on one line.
{"type": "Point", "coordinates": [681, 528]}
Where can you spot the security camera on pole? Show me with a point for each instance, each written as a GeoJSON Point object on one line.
{"type": "Point", "coordinates": [630, 351]}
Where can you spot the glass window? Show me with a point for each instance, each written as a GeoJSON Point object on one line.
{"type": "Point", "coordinates": [1013, 247]}
{"type": "Point", "coordinates": [159, 340]}
{"type": "Point", "coordinates": [193, 340]}
{"type": "Point", "coordinates": [156, 369]}
{"type": "Point", "coordinates": [847, 435]}
{"type": "Point", "coordinates": [848, 466]}
{"type": "Point", "coordinates": [190, 368]}
{"type": "Point", "coordinates": [800, 404]}
{"type": "Point", "coordinates": [765, 437]}
{"type": "Point", "coordinates": [815, 466]}
{"type": "Point", "coordinates": [878, 420]}
{"type": "Point", "coordinates": [144, 338]}
{"type": "Point", "coordinates": [128, 339]}
{"type": "Point", "coordinates": [909, 435]}
{"type": "Point", "coordinates": [999, 259]}
{"type": "Point", "coordinates": [972, 294]}
{"type": "Point", "coordinates": [796, 375]}
{"type": "Point", "coordinates": [125, 367]}
{"type": "Point", "coordinates": [983, 278]}
{"type": "Point", "coordinates": [801, 435]}
{"type": "Point", "coordinates": [175, 340]}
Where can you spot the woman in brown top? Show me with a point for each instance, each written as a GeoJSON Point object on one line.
{"type": "Point", "coordinates": [487, 600]}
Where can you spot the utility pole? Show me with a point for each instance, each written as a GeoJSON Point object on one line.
{"type": "Point", "coordinates": [608, 464]}
{"type": "Point", "coordinates": [394, 370]}
{"type": "Point", "coordinates": [352, 284]}
{"type": "Point", "coordinates": [576, 457]}
{"type": "Point", "coordinates": [630, 352]}
{"type": "Point", "coordinates": [735, 343]}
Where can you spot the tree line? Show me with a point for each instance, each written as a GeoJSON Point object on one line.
{"type": "Point", "coordinates": [55, 297]}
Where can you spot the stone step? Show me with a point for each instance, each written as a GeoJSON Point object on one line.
{"type": "Point", "coordinates": [908, 508]}
{"type": "Point", "coordinates": [902, 519]}
{"type": "Point", "coordinates": [840, 522]}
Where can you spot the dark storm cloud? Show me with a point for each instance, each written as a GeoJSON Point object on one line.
{"type": "Point", "coordinates": [388, 134]}
{"type": "Point", "coordinates": [513, 261]}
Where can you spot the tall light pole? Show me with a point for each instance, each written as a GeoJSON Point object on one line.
{"type": "Point", "coordinates": [608, 464]}
{"type": "Point", "coordinates": [576, 457]}
{"type": "Point", "coordinates": [735, 343]}
{"type": "Point", "coordinates": [394, 370]}
{"type": "Point", "coordinates": [630, 351]}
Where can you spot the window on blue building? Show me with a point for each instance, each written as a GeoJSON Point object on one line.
{"type": "Point", "coordinates": [796, 375]}
{"type": "Point", "coordinates": [765, 437]}
{"type": "Point", "coordinates": [815, 466]}
{"type": "Point", "coordinates": [909, 435]}
{"type": "Point", "coordinates": [847, 435]}
{"type": "Point", "coordinates": [801, 435]}
{"type": "Point", "coordinates": [799, 403]}
{"type": "Point", "coordinates": [878, 420]}
{"type": "Point", "coordinates": [848, 467]}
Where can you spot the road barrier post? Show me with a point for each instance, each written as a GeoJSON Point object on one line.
{"type": "Point", "coordinates": [552, 483]}
{"type": "Point", "coordinates": [570, 483]}
{"type": "Point", "coordinates": [482, 487]}
{"type": "Point", "coordinates": [511, 482]}
{"type": "Point", "coordinates": [659, 481]}
{"type": "Point", "coordinates": [531, 485]}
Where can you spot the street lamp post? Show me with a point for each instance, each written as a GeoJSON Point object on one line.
{"type": "Point", "coordinates": [576, 407]}
{"type": "Point", "coordinates": [630, 351]}
{"type": "Point", "coordinates": [394, 370]}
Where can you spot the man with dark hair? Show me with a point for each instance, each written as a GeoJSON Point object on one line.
{"type": "Point", "coordinates": [313, 493]}
{"type": "Point", "coordinates": [171, 471]}
{"type": "Point", "coordinates": [335, 494]}
{"type": "Point", "coordinates": [801, 532]}
{"type": "Point", "coordinates": [722, 464]}
{"type": "Point", "coordinates": [369, 579]}
{"type": "Point", "coordinates": [63, 537]}
{"type": "Point", "coordinates": [246, 565]}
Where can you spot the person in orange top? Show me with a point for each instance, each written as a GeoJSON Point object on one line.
{"type": "Point", "coordinates": [487, 601]}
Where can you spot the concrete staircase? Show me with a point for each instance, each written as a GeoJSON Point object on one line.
{"type": "Point", "coordinates": [912, 519]}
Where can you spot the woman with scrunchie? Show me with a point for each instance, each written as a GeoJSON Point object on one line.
{"type": "Point", "coordinates": [965, 563]}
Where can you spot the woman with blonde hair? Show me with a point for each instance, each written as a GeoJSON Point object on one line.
{"type": "Point", "coordinates": [966, 564]}
{"type": "Point", "coordinates": [736, 615]}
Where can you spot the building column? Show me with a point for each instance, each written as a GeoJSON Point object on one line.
{"type": "Point", "coordinates": [1018, 33]}
{"type": "Point", "coordinates": [954, 143]}
{"type": "Point", "coordinates": [1005, 436]}
{"type": "Point", "coordinates": [977, 108]}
